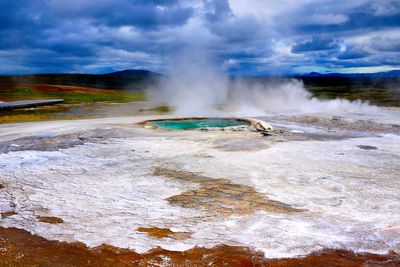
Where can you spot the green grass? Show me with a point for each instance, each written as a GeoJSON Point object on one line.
{"type": "Point", "coordinates": [376, 96]}
{"type": "Point", "coordinates": [72, 97]}
{"type": "Point", "coordinates": [162, 109]}
{"type": "Point", "coordinates": [78, 103]}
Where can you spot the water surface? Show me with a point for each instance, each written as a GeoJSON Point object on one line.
{"type": "Point", "coordinates": [196, 123]}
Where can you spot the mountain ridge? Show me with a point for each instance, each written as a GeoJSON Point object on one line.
{"type": "Point", "coordinates": [132, 79]}
{"type": "Point", "coordinates": [391, 73]}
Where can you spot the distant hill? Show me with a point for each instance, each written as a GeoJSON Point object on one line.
{"type": "Point", "coordinates": [126, 79]}
{"type": "Point", "coordinates": [133, 73]}
{"type": "Point", "coordinates": [389, 79]}
{"type": "Point", "coordinates": [313, 74]}
{"type": "Point", "coordinates": [142, 79]}
{"type": "Point", "coordinates": [392, 73]}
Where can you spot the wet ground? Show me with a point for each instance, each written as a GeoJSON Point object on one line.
{"type": "Point", "coordinates": [320, 190]}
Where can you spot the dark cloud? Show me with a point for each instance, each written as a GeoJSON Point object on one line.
{"type": "Point", "coordinates": [386, 43]}
{"type": "Point", "coordinates": [357, 21]}
{"type": "Point", "coordinates": [144, 14]}
{"type": "Point", "coordinates": [257, 38]}
{"type": "Point", "coordinates": [217, 10]}
{"type": "Point", "coordinates": [315, 44]}
{"type": "Point", "coordinates": [319, 17]}
{"type": "Point", "coordinates": [353, 53]}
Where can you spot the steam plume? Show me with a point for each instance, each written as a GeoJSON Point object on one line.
{"type": "Point", "coordinates": [196, 86]}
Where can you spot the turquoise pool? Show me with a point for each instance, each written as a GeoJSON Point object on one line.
{"type": "Point", "coordinates": [186, 124]}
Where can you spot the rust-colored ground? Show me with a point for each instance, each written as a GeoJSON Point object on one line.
{"type": "Point", "coordinates": [59, 87]}
{"type": "Point", "coordinates": [54, 88]}
{"type": "Point", "coordinates": [49, 219]}
{"type": "Point", "coordinates": [6, 214]}
{"type": "Point", "coordinates": [164, 233]}
{"type": "Point", "coordinates": [20, 248]}
{"type": "Point", "coordinates": [221, 197]}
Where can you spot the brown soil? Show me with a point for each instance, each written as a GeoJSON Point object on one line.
{"type": "Point", "coordinates": [164, 232]}
{"type": "Point", "coordinates": [2, 186]}
{"type": "Point", "coordinates": [221, 197]}
{"type": "Point", "coordinates": [20, 248]}
{"type": "Point", "coordinates": [7, 214]}
{"type": "Point", "coordinates": [84, 89]}
{"type": "Point", "coordinates": [53, 88]}
{"type": "Point", "coordinates": [49, 219]}
{"type": "Point", "coordinates": [47, 88]}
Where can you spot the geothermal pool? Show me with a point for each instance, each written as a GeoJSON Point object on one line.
{"type": "Point", "coordinates": [317, 182]}
{"type": "Point", "coordinates": [201, 123]}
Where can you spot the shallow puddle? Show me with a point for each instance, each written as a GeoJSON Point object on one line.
{"type": "Point", "coordinates": [367, 147]}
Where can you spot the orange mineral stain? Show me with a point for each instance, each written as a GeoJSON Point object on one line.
{"type": "Point", "coordinates": [164, 232]}
{"type": "Point", "coordinates": [20, 248]}
{"type": "Point", "coordinates": [49, 219]}
{"type": "Point", "coordinates": [7, 214]}
{"type": "Point", "coordinates": [221, 197]}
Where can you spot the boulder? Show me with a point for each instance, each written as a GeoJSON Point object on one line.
{"type": "Point", "coordinates": [262, 126]}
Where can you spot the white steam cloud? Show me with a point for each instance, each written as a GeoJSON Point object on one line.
{"type": "Point", "coordinates": [287, 96]}
{"type": "Point", "coordinates": [196, 86]}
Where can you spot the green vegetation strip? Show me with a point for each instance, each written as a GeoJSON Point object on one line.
{"type": "Point", "coordinates": [71, 96]}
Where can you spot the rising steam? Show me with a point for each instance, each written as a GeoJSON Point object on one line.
{"type": "Point", "coordinates": [287, 95]}
{"type": "Point", "coordinates": [196, 86]}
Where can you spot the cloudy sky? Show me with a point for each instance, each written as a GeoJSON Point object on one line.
{"type": "Point", "coordinates": [246, 37]}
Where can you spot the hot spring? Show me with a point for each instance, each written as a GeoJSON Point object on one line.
{"type": "Point", "coordinates": [196, 123]}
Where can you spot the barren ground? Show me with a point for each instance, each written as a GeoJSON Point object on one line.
{"type": "Point", "coordinates": [317, 190]}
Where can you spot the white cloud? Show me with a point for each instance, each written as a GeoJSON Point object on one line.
{"type": "Point", "coordinates": [385, 8]}
{"type": "Point", "coordinates": [325, 19]}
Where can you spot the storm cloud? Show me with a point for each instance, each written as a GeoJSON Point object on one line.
{"type": "Point", "coordinates": [247, 37]}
